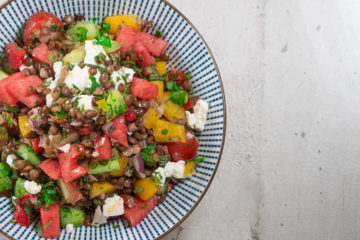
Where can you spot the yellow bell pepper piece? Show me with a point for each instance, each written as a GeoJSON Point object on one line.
{"type": "Point", "coordinates": [151, 117]}
{"type": "Point", "coordinates": [145, 188]}
{"type": "Point", "coordinates": [103, 105]}
{"type": "Point", "coordinates": [167, 95]}
{"type": "Point", "coordinates": [190, 168]}
{"type": "Point", "coordinates": [99, 188]}
{"type": "Point", "coordinates": [173, 111]}
{"type": "Point", "coordinates": [75, 56]}
{"type": "Point", "coordinates": [160, 85]}
{"type": "Point", "coordinates": [115, 21]}
{"type": "Point", "coordinates": [161, 67]}
{"type": "Point", "coordinates": [4, 136]}
{"type": "Point", "coordinates": [165, 131]}
{"type": "Point", "coordinates": [24, 125]}
{"type": "Point", "coordinates": [123, 163]}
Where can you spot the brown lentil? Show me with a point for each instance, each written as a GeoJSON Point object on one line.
{"type": "Point", "coordinates": [68, 19]}
{"type": "Point", "coordinates": [20, 164]}
{"type": "Point", "coordinates": [34, 174]}
{"type": "Point", "coordinates": [91, 113]}
{"type": "Point", "coordinates": [92, 71]}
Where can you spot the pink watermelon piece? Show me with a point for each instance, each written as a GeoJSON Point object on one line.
{"type": "Point", "coordinates": [5, 95]}
{"type": "Point", "coordinates": [126, 35]}
{"type": "Point", "coordinates": [156, 46]}
{"type": "Point", "coordinates": [19, 89]}
{"type": "Point", "coordinates": [148, 59]}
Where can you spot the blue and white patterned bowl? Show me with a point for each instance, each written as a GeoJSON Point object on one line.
{"type": "Point", "coordinates": [188, 52]}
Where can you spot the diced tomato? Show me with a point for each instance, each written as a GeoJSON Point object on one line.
{"type": "Point", "coordinates": [126, 35]}
{"type": "Point", "coordinates": [177, 76]}
{"type": "Point", "coordinates": [70, 170]}
{"type": "Point", "coordinates": [148, 59]}
{"type": "Point", "coordinates": [143, 89]}
{"type": "Point", "coordinates": [190, 103]}
{"type": "Point", "coordinates": [19, 89]}
{"type": "Point", "coordinates": [21, 216]}
{"type": "Point", "coordinates": [156, 46]}
{"type": "Point", "coordinates": [85, 129]}
{"type": "Point", "coordinates": [138, 212]}
{"type": "Point", "coordinates": [43, 54]}
{"type": "Point", "coordinates": [51, 168]}
{"type": "Point", "coordinates": [37, 21]}
{"type": "Point", "coordinates": [15, 55]}
{"type": "Point", "coordinates": [130, 115]}
{"type": "Point", "coordinates": [102, 147]}
{"type": "Point", "coordinates": [35, 144]}
{"type": "Point", "coordinates": [183, 151]}
{"type": "Point", "coordinates": [119, 134]}
{"type": "Point", "coordinates": [31, 197]}
{"type": "Point", "coordinates": [50, 221]}
{"type": "Point", "coordinates": [5, 95]}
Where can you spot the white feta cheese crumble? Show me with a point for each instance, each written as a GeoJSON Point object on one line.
{"type": "Point", "coordinates": [13, 200]}
{"type": "Point", "coordinates": [22, 67]}
{"type": "Point", "coordinates": [85, 102]}
{"type": "Point", "coordinates": [32, 187]}
{"type": "Point", "coordinates": [113, 206]}
{"type": "Point", "coordinates": [10, 160]}
{"type": "Point", "coordinates": [99, 217]}
{"type": "Point", "coordinates": [69, 228]}
{"type": "Point", "coordinates": [78, 78]}
{"type": "Point", "coordinates": [49, 100]}
{"type": "Point", "coordinates": [171, 169]}
{"type": "Point", "coordinates": [65, 148]}
{"type": "Point", "coordinates": [92, 50]}
{"type": "Point", "coordinates": [118, 76]}
{"type": "Point", "coordinates": [95, 154]}
{"type": "Point", "coordinates": [197, 119]}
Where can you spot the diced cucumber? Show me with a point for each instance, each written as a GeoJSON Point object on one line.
{"type": "Point", "coordinates": [3, 75]}
{"type": "Point", "coordinates": [72, 216]}
{"type": "Point", "coordinates": [27, 153]}
{"type": "Point", "coordinates": [64, 190]}
{"type": "Point", "coordinates": [75, 56]}
{"type": "Point", "coordinates": [19, 189]}
{"type": "Point", "coordinates": [115, 45]}
{"type": "Point", "coordinates": [77, 34]}
{"type": "Point", "coordinates": [109, 166]}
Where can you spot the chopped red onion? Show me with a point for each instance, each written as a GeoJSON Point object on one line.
{"type": "Point", "coordinates": [139, 165]}
{"type": "Point", "coordinates": [42, 141]}
{"type": "Point", "coordinates": [108, 128]}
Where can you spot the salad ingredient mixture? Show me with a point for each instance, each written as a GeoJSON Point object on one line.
{"type": "Point", "coordinates": [94, 125]}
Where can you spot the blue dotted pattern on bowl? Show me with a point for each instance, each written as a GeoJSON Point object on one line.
{"type": "Point", "coordinates": [187, 52]}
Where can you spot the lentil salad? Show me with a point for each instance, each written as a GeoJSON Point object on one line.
{"type": "Point", "coordinates": [93, 125]}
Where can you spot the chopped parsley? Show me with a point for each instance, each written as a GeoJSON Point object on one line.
{"type": "Point", "coordinates": [61, 115]}
{"type": "Point", "coordinates": [52, 57]}
{"type": "Point", "coordinates": [47, 195]}
{"type": "Point", "coordinates": [198, 159]}
{"type": "Point", "coordinates": [11, 109]}
{"type": "Point", "coordinates": [7, 117]}
{"type": "Point", "coordinates": [145, 206]}
{"type": "Point", "coordinates": [171, 86]}
{"type": "Point", "coordinates": [187, 75]}
{"type": "Point", "coordinates": [158, 34]}
{"type": "Point", "coordinates": [164, 131]}
{"type": "Point", "coordinates": [174, 77]}
{"type": "Point", "coordinates": [70, 66]}
{"type": "Point", "coordinates": [179, 97]}
{"type": "Point", "coordinates": [48, 224]}
{"type": "Point", "coordinates": [138, 190]}
{"type": "Point", "coordinates": [147, 155]}
{"type": "Point", "coordinates": [154, 75]}
{"type": "Point", "coordinates": [164, 159]}
{"type": "Point", "coordinates": [116, 226]}
{"type": "Point", "coordinates": [94, 83]}
{"type": "Point", "coordinates": [104, 41]}
{"type": "Point", "coordinates": [12, 221]}
{"type": "Point", "coordinates": [100, 58]}
{"type": "Point", "coordinates": [157, 177]}
{"type": "Point", "coordinates": [94, 20]}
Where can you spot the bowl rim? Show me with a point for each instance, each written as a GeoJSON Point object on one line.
{"type": "Point", "coordinates": [224, 122]}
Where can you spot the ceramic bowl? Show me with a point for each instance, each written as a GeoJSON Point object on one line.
{"type": "Point", "coordinates": [188, 52]}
